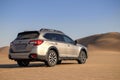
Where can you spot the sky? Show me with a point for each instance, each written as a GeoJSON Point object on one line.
{"type": "Point", "coordinates": [76, 18]}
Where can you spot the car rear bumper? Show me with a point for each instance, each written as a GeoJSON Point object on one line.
{"type": "Point", "coordinates": [27, 56]}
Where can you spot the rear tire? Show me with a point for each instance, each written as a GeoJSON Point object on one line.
{"type": "Point", "coordinates": [23, 63]}
{"type": "Point", "coordinates": [51, 58]}
{"type": "Point", "coordinates": [82, 57]}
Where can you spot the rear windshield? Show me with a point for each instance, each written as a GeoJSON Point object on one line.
{"type": "Point", "coordinates": [28, 35]}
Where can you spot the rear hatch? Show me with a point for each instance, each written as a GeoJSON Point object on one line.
{"type": "Point", "coordinates": [22, 42]}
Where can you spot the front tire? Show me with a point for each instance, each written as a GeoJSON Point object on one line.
{"type": "Point", "coordinates": [82, 57]}
{"type": "Point", "coordinates": [51, 58]}
{"type": "Point", "coordinates": [23, 63]}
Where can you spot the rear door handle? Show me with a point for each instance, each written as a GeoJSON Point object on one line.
{"type": "Point", "coordinates": [68, 45]}
{"type": "Point", "coordinates": [55, 43]}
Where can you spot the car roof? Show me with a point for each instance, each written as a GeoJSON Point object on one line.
{"type": "Point", "coordinates": [43, 30]}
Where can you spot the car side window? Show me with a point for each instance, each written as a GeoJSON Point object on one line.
{"type": "Point", "coordinates": [59, 37]}
{"type": "Point", "coordinates": [68, 39]}
{"type": "Point", "coordinates": [48, 36]}
{"type": "Point", "coordinates": [54, 37]}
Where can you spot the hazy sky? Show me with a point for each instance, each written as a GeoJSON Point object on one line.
{"type": "Point", "coordinates": [77, 18]}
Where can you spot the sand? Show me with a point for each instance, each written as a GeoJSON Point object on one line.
{"type": "Point", "coordinates": [101, 65]}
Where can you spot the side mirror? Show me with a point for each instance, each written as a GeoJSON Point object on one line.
{"type": "Point", "coordinates": [75, 42]}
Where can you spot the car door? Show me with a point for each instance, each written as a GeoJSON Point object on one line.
{"type": "Point", "coordinates": [61, 46]}
{"type": "Point", "coordinates": [71, 47]}
{"type": "Point", "coordinates": [57, 41]}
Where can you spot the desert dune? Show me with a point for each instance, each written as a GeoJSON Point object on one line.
{"type": "Point", "coordinates": [105, 41]}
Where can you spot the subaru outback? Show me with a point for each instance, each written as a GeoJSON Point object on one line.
{"type": "Point", "coordinates": [47, 45]}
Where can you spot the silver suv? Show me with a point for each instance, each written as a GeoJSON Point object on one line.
{"type": "Point", "coordinates": [47, 45]}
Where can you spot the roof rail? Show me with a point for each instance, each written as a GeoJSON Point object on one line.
{"type": "Point", "coordinates": [50, 30]}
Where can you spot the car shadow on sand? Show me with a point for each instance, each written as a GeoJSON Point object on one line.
{"type": "Point", "coordinates": [16, 66]}
{"type": "Point", "coordinates": [30, 65]}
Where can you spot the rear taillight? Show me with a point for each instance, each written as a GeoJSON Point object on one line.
{"type": "Point", "coordinates": [36, 42]}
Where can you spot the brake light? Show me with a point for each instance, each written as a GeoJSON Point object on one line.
{"type": "Point", "coordinates": [36, 42]}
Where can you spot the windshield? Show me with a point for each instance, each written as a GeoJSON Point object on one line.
{"type": "Point", "coordinates": [28, 35]}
